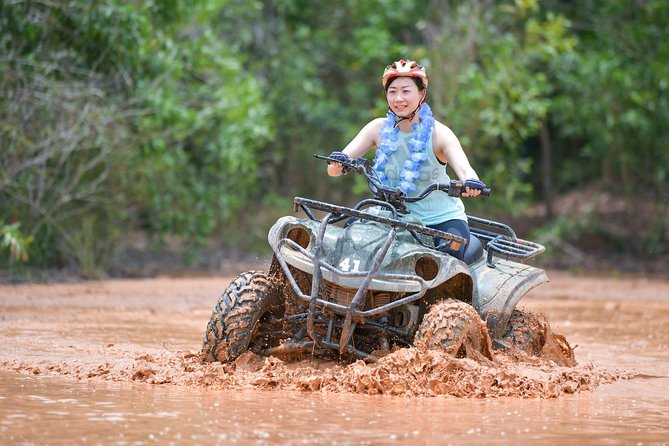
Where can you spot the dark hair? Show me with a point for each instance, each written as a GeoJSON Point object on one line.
{"type": "Point", "coordinates": [418, 81]}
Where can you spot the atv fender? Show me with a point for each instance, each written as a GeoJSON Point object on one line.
{"type": "Point", "coordinates": [498, 289]}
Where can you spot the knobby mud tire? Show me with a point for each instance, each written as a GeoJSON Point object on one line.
{"type": "Point", "coordinates": [526, 332]}
{"type": "Point", "coordinates": [532, 334]}
{"type": "Point", "coordinates": [456, 328]}
{"type": "Point", "coordinates": [243, 309]}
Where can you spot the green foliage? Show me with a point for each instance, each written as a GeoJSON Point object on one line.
{"type": "Point", "coordinates": [322, 87]}
{"type": "Point", "coordinates": [564, 229]}
{"type": "Point", "coordinates": [197, 119]}
{"type": "Point", "coordinates": [613, 96]}
{"type": "Point", "coordinates": [119, 115]}
{"type": "Point", "coordinates": [206, 125]}
{"type": "Point", "coordinates": [496, 93]}
{"type": "Point", "coordinates": [14, 242]}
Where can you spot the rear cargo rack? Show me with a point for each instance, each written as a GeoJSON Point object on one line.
{"type": "Point", "coordinates": [501, 240]}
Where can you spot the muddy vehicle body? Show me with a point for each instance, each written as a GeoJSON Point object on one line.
{"type": "Point", "coordinates": [357, 282]}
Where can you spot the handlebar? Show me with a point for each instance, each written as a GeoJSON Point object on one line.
{"type": "Point", "coordinates": [454, 189]}
{"type": "Point", "coordinates": [362, 166]}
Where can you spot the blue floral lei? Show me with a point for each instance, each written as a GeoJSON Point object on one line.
{"type": "Point", "coordinates": [417, 146]}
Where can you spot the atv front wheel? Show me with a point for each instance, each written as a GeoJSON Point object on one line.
{"type": "Point", "coordinates": [455, 328]}
{"type": "Point", "coordinates": [242, 318]}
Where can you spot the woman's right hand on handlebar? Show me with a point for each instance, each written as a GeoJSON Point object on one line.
{"type": "Point", "coordinates": [337, 168]}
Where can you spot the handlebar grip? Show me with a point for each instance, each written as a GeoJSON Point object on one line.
{"type": "Point", "coordinates": [456, 188]}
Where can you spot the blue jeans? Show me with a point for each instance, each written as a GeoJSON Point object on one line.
{"type": "Point", "coordinates": [455, 227]}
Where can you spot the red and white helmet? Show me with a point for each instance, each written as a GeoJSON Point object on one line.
{"type": "Point", "coordinates": [404, 68]}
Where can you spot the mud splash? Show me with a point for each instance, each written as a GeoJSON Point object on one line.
{"type": "Point", "coordinates": [147, 331]}
{"type": "Point", "coordinates": [134, 347]}
{"type": "Point", "coordinates": [408, 372]}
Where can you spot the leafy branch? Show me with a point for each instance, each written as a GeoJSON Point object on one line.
{"type": "Point", "coordinates": [12, 240]}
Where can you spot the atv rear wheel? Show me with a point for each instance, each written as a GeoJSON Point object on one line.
{"type": "Point", "coordinates": [455, 328]}
{"type": "Point", "coordinates": [526, 332]}
{"type": "Point", "coordinates": [532, 334]}
{"type": "Point", "coordinates": [242, 318]}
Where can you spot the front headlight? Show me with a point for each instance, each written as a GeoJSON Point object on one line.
{"type": "Point", "coordinates": [291, 228]}
{"type": "Point", "coordinates": [426, 267]}
{"type": "Point", "coordinates": [299, 235]}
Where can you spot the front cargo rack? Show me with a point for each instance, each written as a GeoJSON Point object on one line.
{"type": "Point", "coordinates": [501, 241]}
{"type": "Point", "coordinates": [339, 213]}
{"type": "Point", "coordinates": [498, 238]}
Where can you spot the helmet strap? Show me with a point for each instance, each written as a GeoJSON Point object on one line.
{"type": "Point", "coordinates": [399, 119]}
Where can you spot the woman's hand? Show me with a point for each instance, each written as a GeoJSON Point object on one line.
{"type": "Point", "coordinates": [334, 168]}
{"type": "Point", "coordinates": [473, 187]}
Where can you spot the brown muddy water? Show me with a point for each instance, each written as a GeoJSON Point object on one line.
{"type": "Point", "coordinates": [115, 362]}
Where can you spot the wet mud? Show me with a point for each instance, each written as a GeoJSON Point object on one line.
{"type": "Point", "coordinates": [405, 372]}
{"type": "Point", "coordinates": [150, 331]}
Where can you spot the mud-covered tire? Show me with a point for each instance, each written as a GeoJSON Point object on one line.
{"type": "Point", "coordinates": [456, 328]}
{"type": "Point", "coordinates": [531, 333]}
{"type": "Point", "coordinates": [246, 306]}
{"type": "Point", "coordinates": [526, 332]}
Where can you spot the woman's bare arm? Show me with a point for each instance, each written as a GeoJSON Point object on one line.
{"type": "Point", "coordinates": [366, 138]}
{"type": "Point", "coordinates": [448, 149]}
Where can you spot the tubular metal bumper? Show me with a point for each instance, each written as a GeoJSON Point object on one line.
{"type": "Point", "coordinates": [355, 310]}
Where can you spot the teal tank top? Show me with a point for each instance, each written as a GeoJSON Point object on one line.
{"type": "Point", "coordinates": [438, 207]}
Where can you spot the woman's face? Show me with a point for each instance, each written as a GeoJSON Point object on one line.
{"type": "Point", "coordinates": [403, 96]}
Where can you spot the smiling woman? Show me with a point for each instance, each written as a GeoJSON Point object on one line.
{"type": "Point", "coordinates": [405, 94]}
{"type": "Point", "coordinates": [413, 150]}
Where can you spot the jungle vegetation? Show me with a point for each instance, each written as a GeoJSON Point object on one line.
{"type": "Point", "coordinates": [196, 119]}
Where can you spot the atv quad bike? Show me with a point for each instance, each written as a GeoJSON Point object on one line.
{"type": "Point", "coordinates": [355, 283]}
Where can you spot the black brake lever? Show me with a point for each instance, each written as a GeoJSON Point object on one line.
{"type": "Point", "coordinates": [321, 157]}
{"type": "Point", "coordinates": [358, 164]}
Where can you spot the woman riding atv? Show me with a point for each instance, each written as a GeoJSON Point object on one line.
{"type": "Point", "coordinates": [413, 150]}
